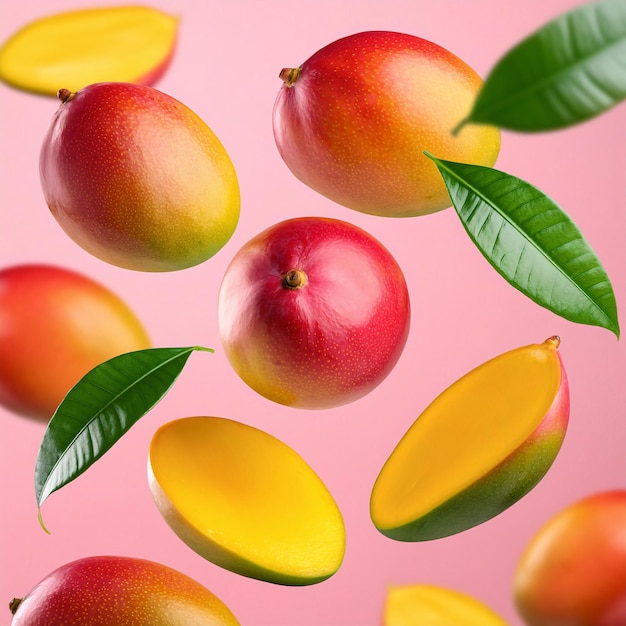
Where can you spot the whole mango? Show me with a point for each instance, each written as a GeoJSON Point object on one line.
{"type": "Point", "coordinates": [573, 571]}
{"type": "Point", "coordinates": [354, 120]}
{"type": "Point", "coordinates": [313, 313]}
{"type": "Point", "coordinates": [119, 591]}
{"type": "Point", "coordinates": [55, 326]}
{"type": "Point", "coordinates": [137, 179]}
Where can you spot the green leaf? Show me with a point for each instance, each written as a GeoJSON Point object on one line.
{"type": "Point", "coordinates": [568, 71]}
{"type": "Point", "coordinates": [99, 409]}
{"type": "Point", "coordinates": [531, 242]}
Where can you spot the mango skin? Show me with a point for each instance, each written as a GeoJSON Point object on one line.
{"type": "Point", "coordinates": [352, 122]}
{"type": "Point", "coordinates": [506, 483]}
{"type": "Point", "coordinates": [329, 342]}
{"type": "Point", "coordinates": [120, 591]}
{"type": "Point", "coordinates": [55, 326]}
{"type": "Point", "coordinates": [137, 179]}
{"type": "Point", "coordinates": [573, 571]}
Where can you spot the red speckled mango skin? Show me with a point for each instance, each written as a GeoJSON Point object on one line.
{"type": "Point", "coordinates": [138, 179]}
{"type": "Point", "coordinates": [55, 326]}
{"type": "Point", "coordinates": [120, 591]}
{"type": "Point", "coordinates": [354, 124]}
{"type": "Point", "coordinates": [333, 340]}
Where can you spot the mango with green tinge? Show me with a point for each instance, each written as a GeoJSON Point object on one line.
{"type": "Point", "coordinates": [478, 448]}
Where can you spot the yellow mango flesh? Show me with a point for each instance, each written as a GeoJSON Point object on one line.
{"type": "Point", "coordinates": [469, 431]}
{"type": "Point", "coordinates": [77, 48]}
{"type": "Point", "coordinates": [245, 501]}
{"type": "Point", "coordinates": [421, 605]}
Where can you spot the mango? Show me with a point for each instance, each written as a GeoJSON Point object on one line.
{"type": "Point", "coordinates": [55, 326]}
{"type": "Point", "coordinates": [478, 448]}
{"type": "Point", "coordinates": [430, 605]}
{"type": "Point", "coordinates": [573, 570]}
{"type": "Point", "coordinates": [245, 501]}
{"type": "Point", "coordinates": [353, 121]}
{"type": "Point", "coordinates": [76, 48]}
{"type": "Point", "coordinates": [137, 179]}
{"type": "Point", "coordinates": [313, 313]}
{"type": "Point", "coordinates": [119, 591]}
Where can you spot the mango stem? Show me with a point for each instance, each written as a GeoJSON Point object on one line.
{"type": "Point", "coordinates": [14, 604]}
{"type": "Point", "coordinates": [289, 75]}
{"type": "Point", "coordinates": [553, 342]}
{"type": "Point", "coordinates": [294, 279]}
{"type": "Point", "coordinates": [65, 95]}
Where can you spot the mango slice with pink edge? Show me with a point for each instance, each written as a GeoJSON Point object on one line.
{"type": "Point", "coordinates": [245, 501]}
{"type": "Point", "coordinates": [478, 448]}
{"type": "Point", "coordinates": [77, 48]}
{"type": "Point", "coordinates": [420, 605]}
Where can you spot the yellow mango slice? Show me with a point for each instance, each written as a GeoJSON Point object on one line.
{"type": "Point", "coordinates": [77, 48]}
{"type": "Point", "coordinates": [479, 447]}
{"type": "Point", "coordinates": [245, 501]}
{"type": "Point", "coordinates": [428, 605]}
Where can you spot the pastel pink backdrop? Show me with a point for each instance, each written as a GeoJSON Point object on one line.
{"type": "Point", "coordinates": [226, 69]}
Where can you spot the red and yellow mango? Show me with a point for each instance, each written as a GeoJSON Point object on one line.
{"type": "Point", "coordinates": [55, 326]}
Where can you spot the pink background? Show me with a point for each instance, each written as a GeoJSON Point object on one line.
{"type": "Point", "coordinates": [226, 69]}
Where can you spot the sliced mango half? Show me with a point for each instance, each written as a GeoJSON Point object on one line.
{"type": "Point", "coordinates": [429, 605]}
{"type": "Point", "coordinates": [479, 447]}
{"type": "Point", "coordinates": [245, 501]}
{"type": "Point", "coordinates": [74, 49]}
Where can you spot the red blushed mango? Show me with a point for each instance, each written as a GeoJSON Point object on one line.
{"type": "Point", "coordinates": [313, 313]}
{"type": "Point", "coordinates": [573, 571]}
{"type": "Point", "coordinates": [138, 179]}
{"type": "Point", "coordinates": [353, 121]}
{"type": "Point", "coordinates": [478, 448]}
{"type": "Point", "coordinates": [119, 591]}
{"type": "Point", "coordinates": [55, 326]}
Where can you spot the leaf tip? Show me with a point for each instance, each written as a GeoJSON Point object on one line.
{"type": "Point", "coordinates": [40, 519]}
{"type": "Point", "coordinates": [203, 349]}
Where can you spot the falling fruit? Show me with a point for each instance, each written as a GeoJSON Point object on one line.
{"type": "Point", "coordinates": [353, 122]}
{"type": "Point", "coordinates": [74, 49]}
{"type": "Point", "coordinates": [245, 501]}
{"type": "Point", "coordinates": [138, 179]}
{"type": "Point", "coordinates": [429, 605]}
{"type": "Point", "coordinates": [119, 591]}
{"type": "Point", "coordinates": [478, 448]}
{"type": "Point", "coordinates": [55, 326]}
{"type": "Point", "coordinates": [573, 571]}
{"type": "Point", "coordinates": [313, 313]}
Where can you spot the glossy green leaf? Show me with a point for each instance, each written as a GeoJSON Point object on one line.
{"type": "Point", "coordinates": [568, 71]}
{"type": "Point", "coordinates": [531, 242]}
{"type": "Point", "coordinates": [100, 408]}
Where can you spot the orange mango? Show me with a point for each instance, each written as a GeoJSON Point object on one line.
{"type": "Point", "coordinates": [55, 326]}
